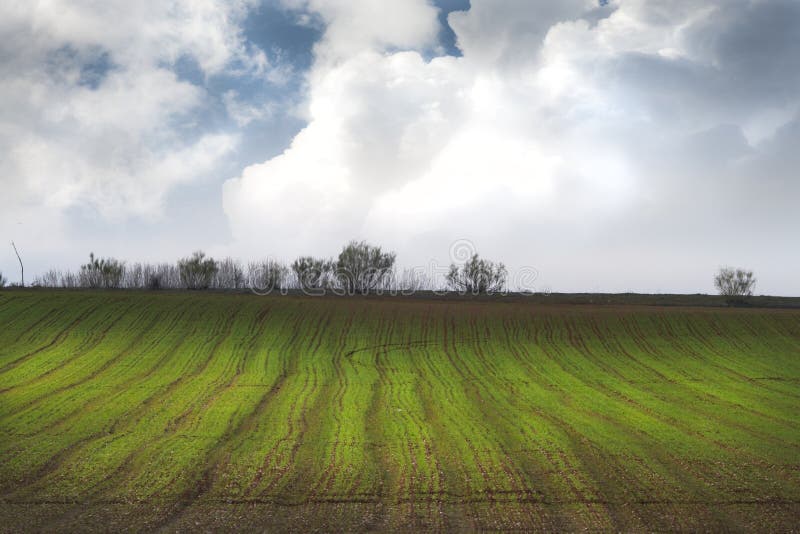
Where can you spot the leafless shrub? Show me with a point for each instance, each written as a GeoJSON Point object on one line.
{"type": "Point", "coordinates": [230, 275]}
{"type": "Point", "coordinates": [197, 271]}
{"type": "Point", "coordinates": [413, 280]}
{"type": "Point", "coordinates": [51, 278]}
{"type": "Point", "coordinates": [477, 276]}
{"type": "Point", "coordinates": [266, 276]}
{"type": "Point", "coordinates": [736, 285]}
{"type": "Point", "coordinates": [101, 273]}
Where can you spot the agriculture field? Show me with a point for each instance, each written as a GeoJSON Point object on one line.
{"type": "Point", "coordinates": [179, 411]}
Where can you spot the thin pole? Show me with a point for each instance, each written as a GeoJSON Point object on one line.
{"type": "Point", "coordinates": [21, 268]}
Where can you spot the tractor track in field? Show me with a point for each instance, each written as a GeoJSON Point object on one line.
{"type": "Point", "coordinates": [472, 386]}
{"type": "Point", "coordinates": [283, 377]}
{"type": "Point", "coordinates": [331, 466]}
{"type": "Point", "coordinates": [701, 338]}
{"type": "Point", "coordinates": [610, 393]}
{"type": "Point", "coordinates": [50, 467]}
{"type": "Point", "coordinates": [205, 482]}
{"type": "Point", "coordinates": [54, 342]}
{"type": "Point", "coordinates": [127, 464]}
{"type": "Point", "coordinates": [432, 454]}
{"type": "Point", "coordinates": [21, 314]}
{"type": "Point", "coordinates": [303, 424]}
{"type": "Point", "coordinates": [50, 315]}
{"type": "Point", "coordinates": [219, 390]}
{"type": "Point", "coordinates": [328, 476]}
{"type": "Point", "coordinates": [615, 394]}
{"type": "Point", "coordinates": [206, 478]}
{"type": "Point", "coordinates": [86, 344]}
{"type": "Point", "coordinates": [94, 374]}
{"type": "Point", "coordinates": [144, 407]}
{"type": "Point", "coordinates": [575, 478]}
{"type": "Point", "coordinates": [522, 356]}
{"type": "Point", "coordinates": [386, 347]}
{"type": "Point", "coordinates": [669, 421]}
{"type": "Point", "coordinates": [513, 471]}
{"type": "Point", "coordinates": [688, 349]}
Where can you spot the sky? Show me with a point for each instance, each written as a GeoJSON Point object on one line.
{"type": "Point", "coordinates": [609, 146]}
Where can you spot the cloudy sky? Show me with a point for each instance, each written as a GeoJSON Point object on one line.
{"type": "Point", "coordinates": [620, 145]}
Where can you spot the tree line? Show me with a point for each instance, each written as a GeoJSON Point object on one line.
{"type": "Point", "coordinates": [360, 268]}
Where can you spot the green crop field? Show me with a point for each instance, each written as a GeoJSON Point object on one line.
{"type": "Point", "coordinates": [181, 411]}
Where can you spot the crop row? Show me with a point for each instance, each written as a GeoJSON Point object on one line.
{"type": "Point", "coordinates": [433, 413]}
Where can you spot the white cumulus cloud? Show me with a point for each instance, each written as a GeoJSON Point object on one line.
{"type": "Point", "coordinates": [613, 147]}
{"type": "Point", "coordinates": [93, 112]}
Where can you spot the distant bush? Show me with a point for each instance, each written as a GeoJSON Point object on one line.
{"type": "Point", "coordinates": [313, 273]}
{"type": "Point", "coordinates": [477, 276]}
{"type": "Point", "coordinates": [154, 283]}
{"type": "Point", "coordinates": [413, 280]}
{"type": "Point", "coordinates": [3, 281]}
{"type": "Point", "coordinates": [152, 276]}
{"type": "Point", "coordinates": [266, 276]}
{"type": "Point", "coordinates": [101, 273]}
{"type": "Point", "coordinates": [56, 278]}
{"type": "Point", "coordinates": [736, 285]}
{"type": "Point", "coordinates": [197, 271]}
{"type": "Point", "coordinates": [230, 275]}
{"type": "Point", "coordinates": [362, 268]}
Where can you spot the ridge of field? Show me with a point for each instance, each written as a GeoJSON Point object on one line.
{"type": "Point", "coordinates": [147, 411]}
{"type": "Point", "coordinates": [537, 298]}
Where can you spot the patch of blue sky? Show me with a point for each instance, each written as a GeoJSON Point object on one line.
{"type": "Point", "coordinates": [447, 37]}
{"type": "Point", "coordinates": [87, 67]}
{"type": "Point", "coordinates": [288, 38]}
{"type": "Point", "coordinates": [283, 33]}
{"type": "Point", "coordinates": [95, 70]}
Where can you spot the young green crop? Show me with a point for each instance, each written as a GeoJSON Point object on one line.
{"type": "Point", "coordinates": [142, 411]}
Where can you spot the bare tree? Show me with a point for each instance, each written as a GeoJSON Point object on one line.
{"type": "Point", "coordinates": [362, 268]}
{"type": "Point", "coordinates": [477, 276]}
{"type": "Point", "coordinates": [2, 281]}
{"type": "Point", "coordinates": [52, 278]}
{"type": "Point", "coordinates": [197, 271]}
{"type": "Point", "coordinates": [21, 267]}
{"type": "Point", "coordinates": [413, 280]}
{"type": "Point", "coordinates": [159, 276]}
{"type": "Point", "coordinates": [164, 276]}
{"type": "Point", "coordinates": [734, 284]}
{"type": "Point", "coordinates": [56, 278]}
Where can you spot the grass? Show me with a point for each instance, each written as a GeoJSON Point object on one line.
{"type": "Point", "coordinates": [125, 410]}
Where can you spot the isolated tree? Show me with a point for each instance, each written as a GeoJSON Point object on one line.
{"type": "Point", "coordinates": [197, 271]}
{"type": "Point", "coordinates": [21, 266]}
{"type": "Point", "coordinates": [477, 276]}
{"type": "Point", "coordinates": [101, 272]}
{"type": "Point", "coordinates": [735, 284]}
{"type": "Point", "coordinates": [312, 273]}
{"type": "Point", "coordinates": [3, 281]}
{"type": "Point", "coordinates": [362, 267]}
